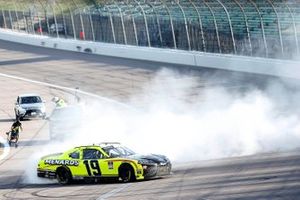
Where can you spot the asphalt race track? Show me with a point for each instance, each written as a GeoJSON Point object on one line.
{"type": "Point", "coordinates": [262, 176]}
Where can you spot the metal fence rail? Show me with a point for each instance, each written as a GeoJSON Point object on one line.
{"type": "Point", "coordinates": [258, 28]}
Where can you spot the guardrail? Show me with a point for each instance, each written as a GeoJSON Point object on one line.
{"type": "Point", "coordinates": [265, 66]}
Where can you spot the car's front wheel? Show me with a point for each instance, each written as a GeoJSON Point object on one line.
{"type": "Point", "coordinates": [126, 174]}
{"type": "Point", "coordinates": [64, 176]}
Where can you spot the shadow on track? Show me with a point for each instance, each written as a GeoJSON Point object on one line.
{"type": "Point", "coordinates": [24, 61]}
{"type": "Point", "coordinates": [32, 142]}
{"type": "Point", "coordinates": [48, 183]}
{"type": "Point", "coordinates": [7, 120]}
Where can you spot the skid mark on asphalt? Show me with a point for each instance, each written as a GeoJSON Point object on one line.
{"type": "Point", "coordinates": [113, 192]}
{"type": "Point", "coordinates": [17, 183]}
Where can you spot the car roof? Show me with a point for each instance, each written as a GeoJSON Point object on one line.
{"type": "Point", "coordinates": [28, 95]}
{"type": "Point", "coordinates": [103, 144]}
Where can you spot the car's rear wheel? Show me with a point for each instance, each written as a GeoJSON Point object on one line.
{"type": "Point", "coordinates": [64, 176]}
{"type": "Point", "coordinates": [126, 174]}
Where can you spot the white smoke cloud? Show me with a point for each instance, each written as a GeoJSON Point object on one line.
{"type": "Point", "coordinates": [213, 123]}
{"type": "Point", "coordinates": [4, 148]}
{"type": "Point", "coordinates": [208, 124]}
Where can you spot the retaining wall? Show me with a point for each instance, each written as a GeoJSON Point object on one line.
{"type": "Point", "coordinates": [265, 66]}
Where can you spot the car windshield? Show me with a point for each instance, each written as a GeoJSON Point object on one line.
{"type": "Point", "coordinates": [117, 151]}
{"type": "Point", "coordinates": [32, 99]}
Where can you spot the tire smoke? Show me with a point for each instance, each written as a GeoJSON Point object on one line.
{"type": "Point", "coordinates": [186, 124]}
{"type": "Point", "coordinates": [176, 117]}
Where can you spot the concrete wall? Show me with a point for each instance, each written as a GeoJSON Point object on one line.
{"type": "Point", "coordinates": [274, 67]}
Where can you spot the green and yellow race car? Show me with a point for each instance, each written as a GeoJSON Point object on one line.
{"type": "Point", "coordinates": [106, 160]}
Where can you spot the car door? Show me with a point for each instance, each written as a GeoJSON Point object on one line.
{"type": "Point", "coordinates": [94, 163]}
{"type": "Point", "coordinates": [74, 162]}
{"type": "Point", "coordinates": [91, 164]}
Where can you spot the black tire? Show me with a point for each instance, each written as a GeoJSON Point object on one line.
{"type": "Point", "coordinates": [126, 174]}
{"type": "Point", "coordinates": [63, 175]}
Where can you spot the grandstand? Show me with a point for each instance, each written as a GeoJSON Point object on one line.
{"type": "Point", "coordinates": [260, 28]}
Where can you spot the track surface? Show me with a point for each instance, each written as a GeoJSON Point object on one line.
{"type": "Point", "coordinates": [266, 176]}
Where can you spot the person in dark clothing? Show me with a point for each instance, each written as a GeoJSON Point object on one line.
{"type": "Point", "coordinates": [16, 126]}
{"type": "Point", "coordinates": [15, 129]}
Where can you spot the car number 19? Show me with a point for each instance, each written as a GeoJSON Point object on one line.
{"type": "Point", "coordinates": [92, 167]}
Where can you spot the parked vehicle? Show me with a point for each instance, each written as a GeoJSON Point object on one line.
{"type": "Point", "coordinates": [30, 106]}
{"type": "Point", "coordinates": [60, 28]}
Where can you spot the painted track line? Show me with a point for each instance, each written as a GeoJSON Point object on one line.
{"type": "Point", "coordinates": [66, 89]}
{"type": "Point", "coordinates": [113, 192]}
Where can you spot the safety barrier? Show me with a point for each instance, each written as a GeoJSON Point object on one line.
{"type": "Point", "coordinates": [258, 28]}
{"type": "Point", "coordinates": [265, 66]}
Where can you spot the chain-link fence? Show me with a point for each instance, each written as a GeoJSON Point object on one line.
{"type": "Point", "coordinates": [268, 28]}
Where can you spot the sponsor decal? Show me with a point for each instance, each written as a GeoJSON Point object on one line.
{"type": "Point", "coordinates": [110, 165]}
{"type": "Point", "coordinates": [61, 162]}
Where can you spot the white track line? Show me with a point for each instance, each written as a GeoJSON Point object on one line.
{"type": "Point", "coordinates": [113, 192]}
{"type": "Point", "coordinates": [5, 152]}
{"type": "Point", "coordinates": [65, 88]}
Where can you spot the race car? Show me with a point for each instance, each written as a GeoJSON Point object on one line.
{"type": "Point", "coordinates": [106, 160]}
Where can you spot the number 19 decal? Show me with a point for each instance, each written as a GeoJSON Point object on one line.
{"type": "Point", "coordinates": [92, 167]}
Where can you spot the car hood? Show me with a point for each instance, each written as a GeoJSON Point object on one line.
{"type": "Point", "coordinates": [32, 105]}
{"type": "Point", "coordinates": [150, 159]}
